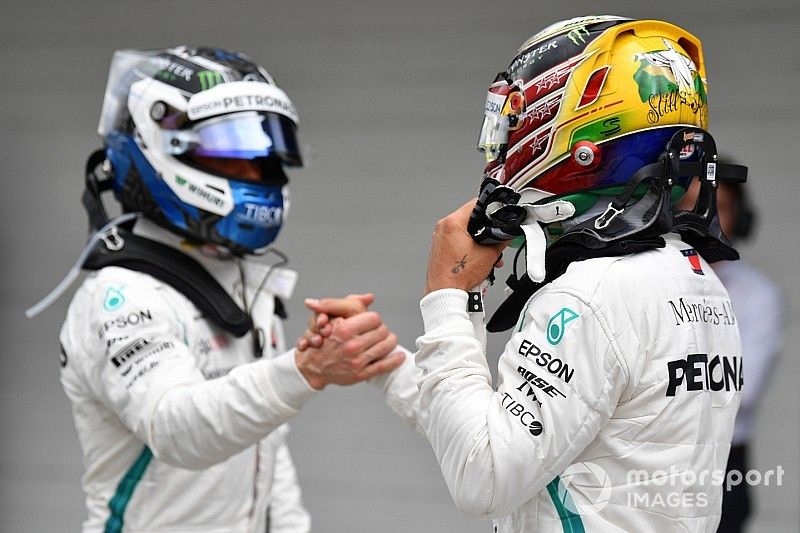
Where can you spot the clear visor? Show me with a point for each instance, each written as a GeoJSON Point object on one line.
{"type": "Point", "coordinates": [245, 135]}
{"type": "Point", "coordinates": [494, 131]}
{"type": "Point", "coordinates": [494, 135]}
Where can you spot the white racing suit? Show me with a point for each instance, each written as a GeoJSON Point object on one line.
{"type": "Point", "coordinates": [615, 400]}
{"type": "Point", "coordinates": [181, 427]}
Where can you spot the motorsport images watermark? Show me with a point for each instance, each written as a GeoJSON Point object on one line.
{"type": "Point", "coordinates": [585, 488]}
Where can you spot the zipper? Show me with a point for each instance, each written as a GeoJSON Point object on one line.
{"type": "Point", "coordinates": [254, 504]}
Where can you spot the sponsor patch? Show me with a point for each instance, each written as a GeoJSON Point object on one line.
{"type": "Point", "coordinates": [123, 321]}
{"type": "Point", "coordinates": [113, 299]}
{"type": "Point", "coordinates": [552, 364]}
{"type": "Point", "coordinates": [697, 373]}
{"type": "Point", "coordinates": [526, 418]}
{"type": "Point", "coordinates": [694, 260]}
{"type": "Point", "coordinates": [539, 383]}
{"type": "Point", "coordinates": [558, 324]}
{"type": "Point", "coordinates": [687, 311]}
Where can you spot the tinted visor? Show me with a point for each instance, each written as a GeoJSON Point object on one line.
{"type": "Point", "coordinates": [267, 170]}
{"type": "Point", "coordinates": [246, 135]}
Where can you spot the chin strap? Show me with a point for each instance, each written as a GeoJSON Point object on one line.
{"type": "Point", "coordinates": [495, 220]}
{"type": "Point", "coordinates": [627, 225]}
{"type": "Point", "coordinates": [535, 239]}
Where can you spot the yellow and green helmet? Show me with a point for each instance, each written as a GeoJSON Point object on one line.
{"type": "Point", "coordinates": [587, 102]}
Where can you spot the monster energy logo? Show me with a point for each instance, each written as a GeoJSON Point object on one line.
{"type": "Point", "coordinates": [578, 34]}
{"type": "Point", "coordinates": [208, 79]}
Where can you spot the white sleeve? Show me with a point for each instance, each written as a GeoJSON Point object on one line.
{"type": "Point", "coordinates": [141, 369]}
{"type": "Point", "coordinates": [401, 386]}
{"type": "Point", "coordinates": [402, 390]}
{"type": "Point", "coordinates": [286, 511]}
{"type": "Point", "coordinates": [560, 377]}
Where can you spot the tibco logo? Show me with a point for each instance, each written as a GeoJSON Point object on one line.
{"type": "Point", "coordinates": [263, 215]}
{"type": "Point", "coordinates": [527, 419]}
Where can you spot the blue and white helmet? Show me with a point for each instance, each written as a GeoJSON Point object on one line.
{"type": "Point", "coordinates": [197, 139]}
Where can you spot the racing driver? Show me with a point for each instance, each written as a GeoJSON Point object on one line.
{"type": "Point", "coordinates": [617, 392]}
{"type": "Point", "coordinates": [172, 350]}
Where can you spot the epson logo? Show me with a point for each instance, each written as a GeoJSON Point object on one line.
{"type": "Point", "coordinates": [554, 365]}
{"type": "Point", "coordinates": [493, 107]}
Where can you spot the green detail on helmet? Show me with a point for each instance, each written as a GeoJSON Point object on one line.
{"type": "Point", "coordinates": [650, 84]}
{"type": "Point", "coordinates": [583, 201]}
{"type": "Point", "coordinates": [209, 78]}
{"type": "Point", "coordinates": [700, 87]}
{"type": "Point", "coordinates": [599, 130]}
{"type": "Point", "coordinates": [165, 75]}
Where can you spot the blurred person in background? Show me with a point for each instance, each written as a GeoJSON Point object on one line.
{"type": "Point", "coordinates": [761, 313]}
{"type": "Point", "coordinates": [173, 351]}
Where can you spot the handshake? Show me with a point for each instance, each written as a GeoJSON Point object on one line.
{"type": "Point", "coordinates": [345, 343]}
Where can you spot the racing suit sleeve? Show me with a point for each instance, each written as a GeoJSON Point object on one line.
{"type": "Point", "coordinates": [559, 380]}
{"type": "Point", "coordinates": [141, 367]}
{"type": "Point", "coordinates": [286, 511]}
{"type": "Point", "coordinates": [402, 391]}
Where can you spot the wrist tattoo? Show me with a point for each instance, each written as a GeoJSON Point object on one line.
{"type": "Point", "coordinates": [460, 265]}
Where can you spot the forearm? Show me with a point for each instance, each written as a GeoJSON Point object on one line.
{"type": "Point", "coordinates": [198, 425]}
{"type": "Point", "coordinates": [402, 391]}
{"type": "Point", "coordinates": [455, 395]}
{"type": "Point", "coordinates": [499, 448]}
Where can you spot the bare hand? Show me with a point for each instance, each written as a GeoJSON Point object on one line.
{"type": "Point", "coordinates": [325, 312]}
{"type": "Point", "coordinates": [455, 260]}
{"type": "Point", "coordinates": [358, 348]}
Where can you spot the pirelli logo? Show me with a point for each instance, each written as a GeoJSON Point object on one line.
{"type": "Point", "coordinates": [129, 351]}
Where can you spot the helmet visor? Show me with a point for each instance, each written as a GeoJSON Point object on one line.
{"type": "Point", "coordinates": [494, 131]}
{"type": "Point", "coordinates": [245, 135]}
{"type": "Point", "coordinates": [494, 135]}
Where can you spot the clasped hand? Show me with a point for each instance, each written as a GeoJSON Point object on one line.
{"type": "Point", "coordinates": [345, 343]}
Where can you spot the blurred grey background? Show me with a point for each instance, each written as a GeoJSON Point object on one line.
{"type": "Point", "coordinates": [390, 96]}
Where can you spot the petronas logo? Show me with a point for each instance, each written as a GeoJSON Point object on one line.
{"type": "Point", "coordinates": [208, 79]}
{"type": "Point", "coordinates": [113, 299]}
{"type": "Point", "coordinates": [558, 324]}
